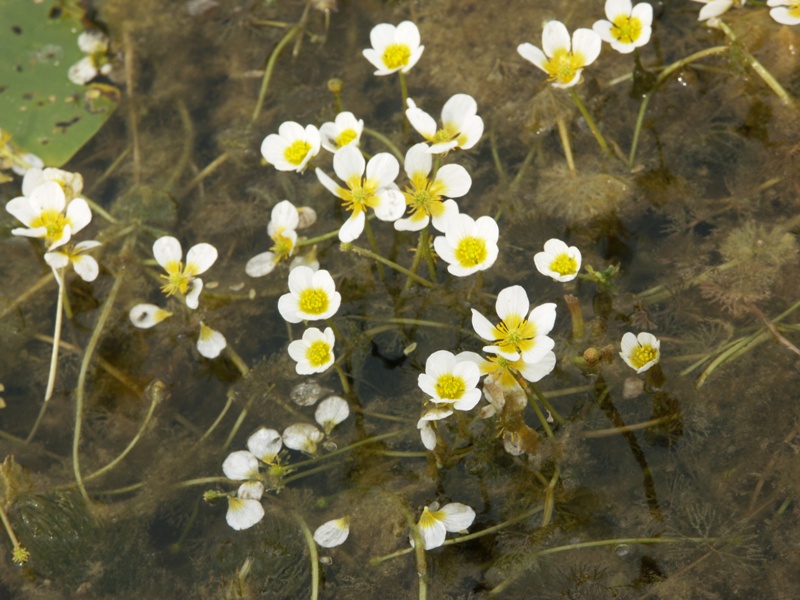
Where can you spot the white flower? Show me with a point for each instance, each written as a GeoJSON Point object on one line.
{"type": "Point", "coordinates": [265, 444]}
{"type": "Point", "coordinates": [243, 512]}
{"type": "Point", "coordinates": [47, 214]}
{"type": "Point", "coordinates": [786, 12]}
{"type": "Point", "coordinates": [627, 27]}
{"type": "Point", "coordinates": [559, 261]}
{"type": "Point", "coordinates": [145, 316]}
{"type": "Point", "coordinates": [368, 185]}
{"type": "Point", "coordinates": [427, 433]}
{"type": "Point", "coordinates": [85, 266]}
{"type": "Point", "coordinates": [25, 162]}
{"type": "Point", "coordinates": [312, 296]}
{"type": "Point", "coordinates": [344, 130]}
{"type": "Point", "coordinates": [394, 48]}
{"type": "Point", "coordinates": [452, 381]}
{"type": "Point", "coordinates": [713, 9]}
{"type": "Point", "coordinates": [461, 125]}
{"type": "Point", "coordinates": [331, 412]}
{"type": "Point", "coordinates": [284, 220]}
{"type": "Point", "coordinates": [641, 351]}
{"type": "Point", "coordinates": [243, 466]}
{"type": "Point", "coordinates": [426, 199]}
{"type": "Point", "coordinates": [333, 533]}
{"type": "Point", "coordinates": [210, 342]}
{"type": "Point", "coordinates": [435, 522]}
{"type": "Point", "coordinates": [95, 45]}
{"type": "Point", "coordinates": [292, 147]}
{"type": "Point", "coordinates": [503, 371]}
{"type": "Point", "coordinates": [71, 183]}
{"type": "Point", "coordinates": [468, 245]}
{"type": "Point", "coordinates": [179, 278]}
{"type": "Point", "coordinates": [303, 437]}
{"type": "Point", "coordinates": [563, 60]}
{"type": "Point", "coordinates": [519, 335]}
{"type": "Point", "coordinates": [314, 352]}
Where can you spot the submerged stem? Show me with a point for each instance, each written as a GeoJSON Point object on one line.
{"type": "Point", "coordinates": [601, 141]}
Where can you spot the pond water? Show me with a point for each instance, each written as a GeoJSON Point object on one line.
{"type": "Point", "coordinates": [680, 482]}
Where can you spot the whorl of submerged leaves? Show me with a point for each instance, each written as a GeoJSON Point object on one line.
{"type": "Point", "coordinates": [581, 197]}
{"type": "Point", "coordinates": [756, 255]}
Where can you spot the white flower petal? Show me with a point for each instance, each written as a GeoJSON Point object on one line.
{"type": "Point", "coordinates": [555, 37]}
{"type": "Point", "coordinates": [261, 264]}
{"type": "Point", "coordinates": [243, 513]}
{"type": "Point", "coordinates": [210, 342]}
{"type": "Point", "coordinates": [265, 444]}
{"type": "Point", "coordinates": [240, 465]}
{"type": "Point", "coordinates": [332, 533]}
{"type": "Point", "coordinates": [145, 316]}
{"type": "Point", "coordinates": [167, 251]}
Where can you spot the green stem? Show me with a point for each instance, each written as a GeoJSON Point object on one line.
{"type": "Point", "coordinates": [546, 403]}
{"type": "Point", "coordinates": [320, 238]}
{"type": "Point", "coordinates": [273, 58]}
{"type": "Point", "coordinates": [385, 141]}
{"type": "Point", "coordinates": [81, 385]}
{"type": "Point", "coordinates": [228, 402]}
{"type": "Point", "coordinates": [590, 122]}
{"type": "Point", "coordinates": [353, 446]}
{"type": "Point", "coordinates": [348, 247]}
{"type": "Point", "coordinates": [312, 554]}
{"type": "Point", "coordinates": [404, 93]}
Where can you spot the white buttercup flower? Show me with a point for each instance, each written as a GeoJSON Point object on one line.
{"type": "Point", "coordinates": [243, 512]}
{"type": "Point", "coordinates": [519, 335]}
{"type": "Point", "coordinates": [468, 245]}
{"type": "Point", "coordinates": [47, 214]}
{"type": "Point", "coordinates": [559, 261]}
{"type": "Point", "coordinates": [303, 437]}
{"type": "Point", "coordinates": [786, 12]}
{"type": "Point", "coordinates": [426, 199]}
{"type": "Point", "coordinates": [369, 185]}
{"type": "Point", "coordinates": [714, 9]}
{"type": "Point", "coordinates": [241, 465]}
{"type": "Point", "coordinates": [343, 131]}
{"type": "Point", "coordinates": [284, 220]}
{"type": "Point", "coordinates": [71, 183]}
{"type": "Point", "coordinates": [332, 533]}
{"type": "Point", "coordinates": [331, 412]}
{"type": "Point", "coordinates": [627, 27]}
{"type": "Point", "coordinates": [145, 316]}
{"type": "Point", "coordinates": [94, 44]}
{"type": "Point", "coordinates": [85, 266]}
{"type": "Point", "coordinates": [314, 352]}
{"type": "Point", "coordinates": [451, 381]}
{"type": "Point", "coordinates": [210, 342]}
{"type": "Point", "coordinates": [312, 296]}
{"type": "Point", "coordinates": [292, 147]}
{"type": "Point", "coordinates": [179, 278]}
{"type": "Point", "coordinates": [461, 125]}
{"type": "Point", "coordinates": [563, 60]}
{"type": "Point", "coordinates": [394, 48]}
{"type": "Point", "coordinates": [640, 352]}
{"type": "Point", "coordinates": [435, 522]}
{"type": "Point", "coordinates": [265, 444]}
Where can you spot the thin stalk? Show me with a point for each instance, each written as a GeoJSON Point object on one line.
{"type": "Point", "coordinates": [312, 554]}
{"type": "Point", "coordinates": [320, 238]}
{"type": "Point", "coordinates": [590, 122]}
{"type": "Point", "coordinates": [374, 245]}
{"type": "Point", "coordinates": [415, 262]}
{"type": "Point", "coordinates": [273, 58]}
{"type": "Point", "coordinates": [385, 141]}
{"type": "Point", "coordinates": [157, 393]}
{"type": "Point", "coordinates": [19, 554]}
{"type": "Point", "coordinates": [564, 135]}
{"type": "Point", "coordinates": [549, 498]}
{"type": "Point", "coordinates": [404, 94]}
{"type": "Point", "coordinates": [342, 378]}
{"type": "Point", "coordinates": [208, 170]}
{"type": "Point", "coordinates": [51, 378]}
{"type": "Point", "coordinates": [239, 420]}
{"type": "Point", "coordinates": [347, 247]}
{"type": "Point", "coordinates": [228, 402]}
{"type": "Point", "coordinates": [353, 446]}
{"type": "Point", "coordinates": [498, 165]}
{"type": "Point", "coordinates": [81, 386]}
{"type": "Point", "coordinates": [546, 403]}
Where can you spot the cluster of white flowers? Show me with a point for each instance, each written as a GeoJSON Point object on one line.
{"type": "Point", "coordinates": [51, 209]}
{"type": "Point", "coordinates": [264, 449]}
{"type": "Point", "coordinates": [94, 44]}
{"type": "Point", "coordinates": [182, 280]}
{"type": "Point", "coordinates": [282, 228]}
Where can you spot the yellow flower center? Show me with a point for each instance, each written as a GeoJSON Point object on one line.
{"type": "Point", "coordinates": [396, 56]}
{"type": "Point", "coordinates": [424, 197]}
{"type": "Point", "coordinates": [447, 133]}
{"type": "Point", "coordinates": [54, 222]}
{"type": "Point", "coordinates": [313, 301]}
{"type": "Point", "coordinates": [360, 195]}
{"type": "Point", "coordinates": [283, 246]}
{"type": "Point", "coordinates": [471, 251]}
{"type": "Point", "coordinates": [318, 353]}
{"type": "Point", "coordinates": [643, 354]}
{"type": "Point", "coordinates": [794, 10]}
{"type": "Point", "coordinates": [516, 333]}
{"type": "Point", "coordinates": [564, 264]}
{"type": "Point", "coordinates": [296, 152]}
{"type": "Point", "coordinates": [563, 65]}
{"type": "Point", "coordinates": [345, 137]}
{"type": "Point", "coordinates": [626, 29]}
{"type": "Point", "coordinates": [450, 387]}
{"type": "Point", "coordinates": [429, 519]}
{"type": "Point", "coordinates": [177, 278]}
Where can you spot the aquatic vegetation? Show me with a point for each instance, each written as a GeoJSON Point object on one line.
{"type": "Point", "coordinates": [369, 418]}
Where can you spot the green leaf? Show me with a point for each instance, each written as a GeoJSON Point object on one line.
{"type": "Point", "coordinates": [40, 107]}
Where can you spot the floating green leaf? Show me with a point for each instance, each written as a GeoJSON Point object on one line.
{"type": "Point", "coordinates": [40, 107]}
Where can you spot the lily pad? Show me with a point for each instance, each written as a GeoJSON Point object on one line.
{"type": "Point", "coordinates": [40, 107]}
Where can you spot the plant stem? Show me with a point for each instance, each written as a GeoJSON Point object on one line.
{"type": "Point", "coordinates": [590, 122]}
{"type": "Point", "coordinates": [348, 247]}
{"type": "Point", "coordinates": [404, 93]}
{"type": "Point", "coordinates": [312, 554]}
{"type": "Point", "coordinates": [385, 141]}
{"type": "Point", "coordinates": [273, 58]}
{"type": "Point", "coordinates": [564, 135]}
{"type": "Point", "coordinates": [51, 378]}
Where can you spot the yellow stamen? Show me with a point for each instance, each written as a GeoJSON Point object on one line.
{"type": "Point", "coordinates": [396, 56]}
{"type": "Point", "coordinates": [564, 264]}
{"type": "Point", "coordinates": [471, 251]}
{"type": "Point", "coordinates": [643, 354]}
{"type": "Point", "coordinates": [318, 353]}
{"type": "Point", "coordinates": [54, 222]}
{"type": "Point", "coordinates": [345, 137]}
{"type": "Point", "coordinates": [450, 387]}
{"type": "Point", "coordinates": [313, 301]}
{"type": "Point", "coordinates": [296, 152]}
{"type": "Point", "coordinates": [563, 65]}
{"type": "Point", "coordinates": [626, 29]}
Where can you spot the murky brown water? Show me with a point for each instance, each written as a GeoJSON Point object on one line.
{"type": "Point", "coordinates": [703, 229]}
